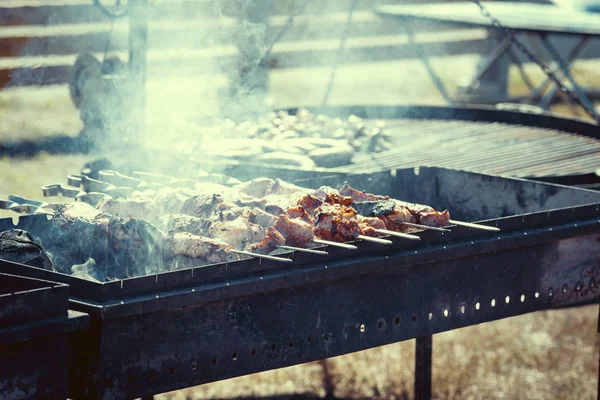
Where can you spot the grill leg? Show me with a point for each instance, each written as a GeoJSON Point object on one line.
{"type": "Point", "coordinates": [423, 368]}
{"type": "Point", "coordinates": [598, 353]}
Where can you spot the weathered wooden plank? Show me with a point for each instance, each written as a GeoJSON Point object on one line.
{"type": "Point", "coordinates": [77, 38]}
{"type": "Point", "coordinates": [193, 63]}
{"type": "Point", "coordinates": [79, 11]}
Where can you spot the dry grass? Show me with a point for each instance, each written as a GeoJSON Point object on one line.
{"type": "Point", "coordinates": [546, 355]}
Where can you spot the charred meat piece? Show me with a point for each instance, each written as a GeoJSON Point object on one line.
{"type": "Point", "coordinates": [256, 187]}
{"type": "Point", "coordinates": [310, 203]}
{"type": "Point", "coordinates": [301, 213]}
{"type": "Point", "coordinates": [368, 225]}
{"type": "Point", "coordinates": [357, 195]}
{"type": "Point", "coordinates": [238, 233]}
{"type": "Point", "coordinates": [271, 241]}
{"type": "Point", "coordinates": [334, 198]}
{"type": "Point", "coordinates": [199, 248]}
{"type": "Point", "coordinates": [18, 246]}
{"type": "Point", "coordinates": [202, 206]}
{"type": "Point", "coordinates": [296, 231]}
{"type": "Point", "coordinates": [337, 222]}
{"type": "Point", "coordinates": [322, 192]}
{"type": "Point", "coordinates": [129, 207]}
{"type": "Point", "coordinates": [284, 188]}
{"type": "Point", "coordinates": [121, 247]}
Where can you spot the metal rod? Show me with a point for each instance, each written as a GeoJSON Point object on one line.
{"type": "Point", "coordinates": [426, 227]}
{"type": "Point", "coordinates": [423, 356]}
{"type": "Point", "coordinates": [474, 226]}
{"type": "Point", "coordinates": [374, 240]}
{"type": "Point", "coordinates": [335, 244]}
{"type": "Point", "coordinates": [303, 250]}
{"type": "Point", "coordinates": [267, 257]}
{"type": "Point", "coordinates": [397, 234]}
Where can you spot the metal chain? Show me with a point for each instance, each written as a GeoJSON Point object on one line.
{"type": "Point", "coordinates": [340, 52]}
{"type": "Point", "coordinates": [512, 36]}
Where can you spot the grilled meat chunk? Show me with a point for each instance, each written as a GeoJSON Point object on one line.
{"type": "Point", "coordinates": [310, 203]}
{"type": "Point", "coordinates": [199, 248]}
{"type": "Point", "coordinates": [357, 195]}
{"type": "Point", "coordinates": [121, 247]}
{"type": "Point", "coordinates": [270, 242]}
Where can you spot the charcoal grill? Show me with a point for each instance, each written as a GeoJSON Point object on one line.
{"type": "Point", "coordinates": [488, 140]}
{"type": "Point", "coordinates": [172, 330]}
{"type": "Point", "coordinates": [34, 322]}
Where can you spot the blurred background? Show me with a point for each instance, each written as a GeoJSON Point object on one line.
{"type": "Point", "coordinates": [183, 64]}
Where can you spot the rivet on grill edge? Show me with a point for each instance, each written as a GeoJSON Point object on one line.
{"type": "Point", "coordinates": [122, 302]}
{"type": "Point", "coordinates": [493, 303]}
{"type": "Point", "coordinates": [446, 313]}
{"type": "Point", "coordinates": [261, 277]}
{"type": "Point", "coordinates": [194, 365]}
{"type": "Point", "coordinates": [564, 288]}
{"type": "Point", "coordinates": [537, 295]}
{"type": "Point", "coordinates": [462, 309]}
{"type": "Point", "coordinates": [550, 292]}
{"type": "Point", "coordinates": [522, 298]}
{"type": "Point", "coordinates": [430, 316]}
{"type": "Point", "coordinates": [592, 282]}
{"type": "Point", "coordinates": [578, 286]}
{"type": "Point", "coordinates": [362, 327]}
{"type": "Point", "coordinates": [234, 356]}
{"type": "Point", "coordinates": [157, 296]}
{"type": "Point", "coordinates": [477, 306]}
{"type": "Point", "coordinates": [193, 290]}
{"type": "Point", "coordinates": [507, 299]}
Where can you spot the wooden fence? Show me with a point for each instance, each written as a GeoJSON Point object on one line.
{"type": "Point", "coordinates": [39, 39]}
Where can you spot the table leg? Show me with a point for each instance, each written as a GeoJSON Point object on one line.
{"type": "Point", "coordinates": [565, 70]}
{"type": "Point", "coordinates": [490, 71]}
{"type": "Point", "coordinates": [423, 357]}
{"type": "Point", "coordinates": [567, 61]}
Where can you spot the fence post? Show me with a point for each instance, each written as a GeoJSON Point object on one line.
{"type": "Point", "coordinates": [423, 356]}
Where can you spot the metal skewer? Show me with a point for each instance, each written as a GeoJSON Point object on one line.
{"type": "Point", "coordinates": [475, 226]}
{"type": "Point", "coordinates": [335, 244]}
{"type": "Point", "coordinates": [273, 258]}
{"type": "Point", "coordinates": [426, 227]}
{"type": "Point", "coordinates": [374, 240]}
{"type": "Point", "coordinates": [397, 234]}
{"type": "Point", "coordinates": [311, 251]}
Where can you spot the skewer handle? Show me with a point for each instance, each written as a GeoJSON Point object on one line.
{"type": "Point", "coordinates": [475, 226]}
{"type": "Point", "coordinates": [397, 234]}
{"type": "Point", "coordinates": [267, 257]}
{"type": "Point", "coordinates": [335, 244]}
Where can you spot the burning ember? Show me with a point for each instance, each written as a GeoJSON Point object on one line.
{"type": "Point", "coordinates": [165, 228]}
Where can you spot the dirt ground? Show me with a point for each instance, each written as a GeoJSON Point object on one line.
{"type": "Point", "coordinates": [546, 355]}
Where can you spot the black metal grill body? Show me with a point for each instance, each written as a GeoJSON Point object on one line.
{"type": "Point", "coordinates": [34, 323]}
{"type": "Point", "coordinates": [159, 333]}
